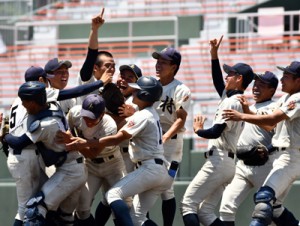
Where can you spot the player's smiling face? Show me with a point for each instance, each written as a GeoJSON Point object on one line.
{"type": "Point", "coordinates": [125, 77]}
{"type": "Point", "coordinates": [61, 78]}
{"type": "Point", "coordinates": [261, 91]}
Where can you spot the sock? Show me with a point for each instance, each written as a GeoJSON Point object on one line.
{"type": "Point", "coordinates": [121, 211]}
{"type": "Point", "coordinates": [228, 223]}
{"type": "Point", "coordinates": [168, 211]}
{"type": "Point", "coordinates": [102, 214]}
{"type": "Point", "coordinates": [18, 222]}
{"type": "Point", "coordinates": [149, 223]}
{"type": "Point", "coordinates": [217, 222]}
{"type": "Point", "coordinates": [191, 219]}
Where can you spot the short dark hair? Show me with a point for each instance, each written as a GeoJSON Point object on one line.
{"type": "Point", "coordinates": [100, 53]}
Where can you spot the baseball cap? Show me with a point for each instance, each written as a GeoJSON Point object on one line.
{"type": "Point", "coordinates": [268, 78]}
{"type": "Point", "coordinates": [34, 73]}
{"type": "Point", "coordinates": [241, 68]}
{"type": "Point", "coordinates": [132, 67]}
{"type": "Point", "coordinates": [55, 63]}
{"type": "Point", "coordinates": [293, 68]}
{"type": "Point", "coordinates": [168, 53]}
{"type": "Point", "coordinates": [92, 106]}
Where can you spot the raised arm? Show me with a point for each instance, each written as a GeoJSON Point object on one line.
{"type": "Point", "coordinates": [217, 75]}
{"type": "Point", "coordinates": [88, 65]}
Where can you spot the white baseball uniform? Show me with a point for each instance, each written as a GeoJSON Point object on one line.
{"type": "Point", "coordinates": [130, 166]}
{"type": "Point", "coordinates": [151, 177]}
{"type": "Point", "coordinates": [106, 169]}
{"type": "Point", "coordinates": [62, 189]}
{"type": "Point", "coordinates": [175, 96]}
{"type": "Point", "coordinates": [248, 177]}
{"type": "Point", "coordinates": [286, 168]}
{"type": "Point", "coordinates": [25, 166]}
{"type": "Point", "coordinates": [205, 190]}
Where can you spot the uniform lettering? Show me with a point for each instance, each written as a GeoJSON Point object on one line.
{"type": "Point", "coordinates": [167, 104]}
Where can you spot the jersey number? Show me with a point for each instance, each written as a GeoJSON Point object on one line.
{"type": "Point", "coordinates": [12, 121]}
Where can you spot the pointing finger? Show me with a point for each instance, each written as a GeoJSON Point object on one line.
{"type": "Point", "coordinates": [103, 9]}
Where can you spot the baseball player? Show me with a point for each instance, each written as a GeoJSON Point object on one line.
{"type": "Point", "coordinates": [249, 176]}
{"type": "Point", "coordinates": [286, 141]}
{"type": "Point", "coordinates": [97, 62]}
{"type": "Point", "coordinates": [58, 71]}
{"type": "Point", "coordinates": [62, 188]}
{"type": "Point", "coordinates": [172, 109]}
{"type": "Point", "coordinates": [145, 148]}
{"type": "Point", "coordinates": [24, 165]}
{"type": "Point", "coordinates": [205, 190]}
{"type": "Point", "coordinates": [90, 122]}
{"type": "Point", "coordinates": [128, 74]}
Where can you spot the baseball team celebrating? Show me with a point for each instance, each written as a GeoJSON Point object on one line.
{"type": "Point", "coordinates": [65, 145]}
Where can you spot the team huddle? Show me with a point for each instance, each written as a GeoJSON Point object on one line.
{"type": "Point", "coordinates": [125, 140]}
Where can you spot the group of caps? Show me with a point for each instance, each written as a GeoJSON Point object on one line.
{"type": "Point", "coordinates": [33, 74]}
{"type": "Point", "coordinates": [94, 105]}
{"type": "Point", "coordinates": [268, 77]}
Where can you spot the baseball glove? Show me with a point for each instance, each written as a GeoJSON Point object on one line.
{"type": "Point", "coordinates": [3, 132]}
{"type": "Point", "coordinates": [113, 98]}
{"type": "Point", "coordinates": [253, 155]}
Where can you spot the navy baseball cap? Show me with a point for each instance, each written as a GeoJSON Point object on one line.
{"type": "Point", "coordinates": [55, 63]}
{"type": "Point", "coordinates": [92, 106]}
{"type": "Point", "coordinates": [132, 67]}
{"type": "Point", "coordinates": [34, 73]}
{"type": "Point", "coordinates": [168, 53]}
{"type": "Point", "coordinates": [268, 78]}
{"type": "Point", "coordinates": [242, 69]}
{"type": "Point", "coordinates": [293, 68]}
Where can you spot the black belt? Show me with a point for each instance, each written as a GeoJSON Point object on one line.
{"type": "Point", "coordinates": [18, 152]}
{"type": "Point", "coordinates": [272, 149]}
{"type": "Point", "coordinates": [125, 150]}
{"type": "Point", "coordinates": [101, 160]}
{"type": "Point", "coordinates": [157, 161]}
{"type": "Point", "coordinates": [79, 160]}
{"type": "Point", "coordinates": [210, 153]}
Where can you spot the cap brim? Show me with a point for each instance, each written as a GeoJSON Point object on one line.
{"type": "Point", "coordinates": [127, 67]}
{"type": "Point", "coordinates": [49, 76]}
{"type": "Point", "coordinates": [157, 55]}
{"type": "Point", "coordinates": [134, 85]}
{"type": "Point", "coordinates": [286, 70]}
{"type": "Point", "coordinates": [260, 77]}
{"type": "Point", "coordinates": [228, 69]}
{"type": "Point", "coordinates": [86, 113]}
{"type": "Point", "coordinates": [66, 62]}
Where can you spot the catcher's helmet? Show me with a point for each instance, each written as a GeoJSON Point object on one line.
{"type": "Point", "coordinates": [33, 90]}
{"type": "Point", "coordinates": [149, 89]}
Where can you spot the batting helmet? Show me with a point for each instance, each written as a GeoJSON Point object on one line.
{"type": "Point", "coordinates": [149, 89]}
{"type": "Point", "coordinates": [33, 90]}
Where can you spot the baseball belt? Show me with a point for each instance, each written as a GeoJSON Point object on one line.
{"type": "Point", "coordinates": [272, 149]}
{"type": "Point", "coordinates": [18, 152]}
{"type": "Point", "coordinates": [125, 150]}
{"type": "Point", "coordinates": [157, 161]}
{"type": "Point", "coordinates": [101, 160]}
{"type": "Point", "coordinates": [211, 152]}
